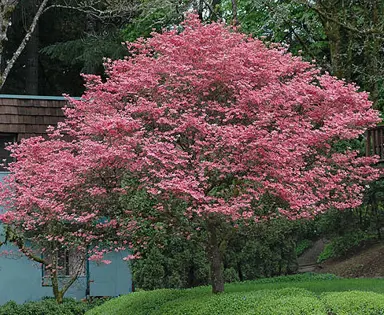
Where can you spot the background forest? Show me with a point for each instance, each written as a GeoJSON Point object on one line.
{"type": "Point", "coordinates": [344, 37]}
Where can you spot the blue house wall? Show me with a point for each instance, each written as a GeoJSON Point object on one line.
{"type": "Point", "coordinates": [21, 279]}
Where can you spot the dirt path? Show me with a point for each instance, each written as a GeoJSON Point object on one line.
{"type": "Point", "coordinates": [308, 260]}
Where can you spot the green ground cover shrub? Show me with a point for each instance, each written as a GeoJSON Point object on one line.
{"type": "Point", "coordinates": [49, 306]}
{"type": "Point", "coordinates": [299, 301]}
{"type": "Point", "coordinates": [302, 246]}
{"type": "Point", "coordinates": [327, 253]}
{"type": "Point", "coordinates": [255, 302]}
{"type": "Point", "coordinates": [301, 277]}
{"type": "Point", "coordinates": [298, 294]}
{"type": "Point", "coordinates": [353, 302]}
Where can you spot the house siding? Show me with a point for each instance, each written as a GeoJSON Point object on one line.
{"type": "Point", "coordinates": [21, 278]}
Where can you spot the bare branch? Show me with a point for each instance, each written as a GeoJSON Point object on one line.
{"type": "Point", "coordinates": [19, 242]}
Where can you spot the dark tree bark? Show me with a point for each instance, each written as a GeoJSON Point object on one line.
{"type": "Point", "coordinates": [215, 258]}
{"type": "Point", "coordinates": [10, 63]}
{"type": "Point", "coordinates": [355, 34]}
{"type": "Point", "coordinates": [373, 51]}
{"type": "Point", "coordinates": [32, 64]}
{"type": "Point", "coordinates": [235, 21]}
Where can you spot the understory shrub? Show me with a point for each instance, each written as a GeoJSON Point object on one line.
{"type": "Point", "coordinates": [231, 275]}
{"type": "Point", "coordinates": [340, 246]}
{"type": "Point", "coordinates": [260, 250]}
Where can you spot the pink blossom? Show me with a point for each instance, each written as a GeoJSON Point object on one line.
{"type": "Point", "coordinates": [209, 117]}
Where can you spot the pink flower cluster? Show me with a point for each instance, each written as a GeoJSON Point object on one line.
{"type": "Point", "coordinates": [206, 115]}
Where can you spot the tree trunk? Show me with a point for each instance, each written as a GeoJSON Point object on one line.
{"type": "Point", "coordinates": [59, 297]}
{"type": "Point", "coordinates": [32, 76]}
{"type": "Point", "coordinates": [215, 258]}
{"type": "Point", "coordinates": [6, 11]}
{"type": "Point", "coordinates": [373, 51]}
{"type": "Point", "coordinates": [200, 9]}
{"type": "Point", "coordinates": [235, 22]}
{"type": "Point", "coordinates": [55, 280]}
{"type": "Point", "coordinates": [333, 32]}
{"type": "Point", "coordinates": [240, 271]}
{"type": "Point", "coordinates": [10, 63]}
{"type": "Point", "coordinates": [338, 37]}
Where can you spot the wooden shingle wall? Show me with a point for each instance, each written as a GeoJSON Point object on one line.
{"type": "Point", "coordinates": [29, 117]}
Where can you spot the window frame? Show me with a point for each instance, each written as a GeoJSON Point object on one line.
{"type": "Point", "coordinates": [67, 271]}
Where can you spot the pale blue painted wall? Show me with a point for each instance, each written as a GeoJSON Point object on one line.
{"type": "Point", "coordinates": [101, 275]}
{"type": "Point", "coordinates": [21, 279]}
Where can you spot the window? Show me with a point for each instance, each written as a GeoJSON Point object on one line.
{"type": "Point", "coordinates": [69, 263]}
{"type": "Point", "coordinates": [5, 157]}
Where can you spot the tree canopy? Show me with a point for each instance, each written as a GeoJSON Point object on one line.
{"type": "Point", "coordinates": [205, 124]}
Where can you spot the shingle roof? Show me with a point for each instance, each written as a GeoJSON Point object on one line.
{"type": "Point", "coordinates": [29, 117]}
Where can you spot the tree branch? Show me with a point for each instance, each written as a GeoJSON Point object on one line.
{"type": "Point", "coordinates": [23, 43]}
{"type": "Point", "coordinates": [94, 12]}
{"type": "Point", "coordinates": [347, 26]}
{"type": "Point", "coordinates": [74, 277]}
{"type": "Point", "coordinates": [19, 242]}
{"type": "Point", "coordinates": [6, 9]}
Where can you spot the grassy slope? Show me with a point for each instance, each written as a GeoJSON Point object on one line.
{"type": "Point", "coordinates": [299, 294]}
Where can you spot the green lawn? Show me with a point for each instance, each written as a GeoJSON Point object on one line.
{"type": "Point", "coordinates": [299, 294]}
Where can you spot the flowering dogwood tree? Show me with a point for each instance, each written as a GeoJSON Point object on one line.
{"type": "Point", "coordinates": [202, 115]}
